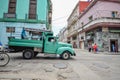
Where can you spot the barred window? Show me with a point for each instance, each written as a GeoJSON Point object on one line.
{"type": "Point", "coordinates": [10, 29]}
{"type": "Point", "coordinates": [12, 6]}
{"type": "Point", "coordinates": [91, 18]}
{"type": "Point", "coordinates": [32, 9]}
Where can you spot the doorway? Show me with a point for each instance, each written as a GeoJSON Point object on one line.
{"type": "Point", "coordinates": [114, 45]}
{"type": "Point", "coordinates": [74, 45]}
{"type": "Point", "coordinates": [80, 44]}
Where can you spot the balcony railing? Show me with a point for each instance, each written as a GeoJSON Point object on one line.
{"type": "Point", "coordinates": [102, 14]}
{"type": "Point", "coordinates": [9, 15]}
{"type": "Point", "coordinates": [99, 17]}
{"type": "Point", "coordinates": [105, 13]}
{"type": "Point", "coordinates": [72, 20]}
{"type": "Point", "coordinates": [31, 16]}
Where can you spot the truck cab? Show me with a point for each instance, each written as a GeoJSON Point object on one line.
{"type": "Point", "coordinates": [46, 44]}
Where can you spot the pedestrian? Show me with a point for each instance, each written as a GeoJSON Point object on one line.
{"type": "Point", "coordinates": [23, 34]}
{"type": "Point", "coordinates": [89, 47]}
{"type": "Point", "coordinates": [113, 48]}
{"type": "Point", "coordinates": [95, 47]}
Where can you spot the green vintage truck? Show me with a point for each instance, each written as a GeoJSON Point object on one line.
{"type": "Point", "coordinates": [41, 41]}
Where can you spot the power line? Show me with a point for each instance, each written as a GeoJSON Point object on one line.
{"type": "Point", "coordinates": [60, 18]}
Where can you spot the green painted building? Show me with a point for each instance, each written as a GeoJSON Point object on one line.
{"type": "Point", "coordinates": [16, 14]}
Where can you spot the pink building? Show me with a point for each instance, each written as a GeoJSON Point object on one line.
{"type": "Point", "coordinates": [100, 23]}
{"type": "Point", "coordinates": [72, 22]}
{"type": "Point", "coordinates": [83, 5]}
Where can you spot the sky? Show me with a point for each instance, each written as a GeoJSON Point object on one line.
{"type": "Point", "coordinates": [61, 11]}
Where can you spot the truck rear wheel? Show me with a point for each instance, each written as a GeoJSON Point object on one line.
{"type": "Point", "coordinates": [28, 54]}
{"type": "Point", "coordinates": [65, 55]}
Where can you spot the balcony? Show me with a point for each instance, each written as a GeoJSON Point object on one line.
{"type": "Point", "coordinates": [100, 17]}
{"type": "Point", "coordinates": [73, 20]}
{"type": "Point", "coordinates": [31, 16]}
{"type": "Point", "coordinates": [72, 32]}
{"type": "Point", "coordinates": [9, 15]}
{"type": "Point", "coordinates": [102, 20]}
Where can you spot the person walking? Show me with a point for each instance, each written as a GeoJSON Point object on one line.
{"type": "Point", "coordinates": [89, 47]}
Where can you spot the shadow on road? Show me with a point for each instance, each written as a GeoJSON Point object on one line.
{"type": "Point", "coordinates": [39, 58]}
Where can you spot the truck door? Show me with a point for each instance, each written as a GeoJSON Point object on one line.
{"type": "Point", "coordinates": [50, 45]}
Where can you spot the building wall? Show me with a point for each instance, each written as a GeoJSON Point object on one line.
{"type": "Point", "coordinates": [44, 8]}
{"type": "Point", "coordinates": [81, 39]}
{"type": "Point", "coordinates": [100, 9]}
{"type": "Point", "coordinates": [74, 16]}
{"type": "Point", "coordinates": [83, 5]}
{"type": "Point", "coordinates": [63, 35]}
{"type": "Point", "coordinates": [72, 26]}
{"type": "Point", "coordinates": [18, 29]}
{"type": "Point", "coordinates": [97, 18]}
{"type": "Point", "coordinates": [103, 40]}
{"type": "Point", "coordinates": [22, 9]}
{"type": "Point", "coordinates": [3, 7]}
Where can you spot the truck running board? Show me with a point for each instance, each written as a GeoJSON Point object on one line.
{"type": "Point", "coordinates": [51, 55]}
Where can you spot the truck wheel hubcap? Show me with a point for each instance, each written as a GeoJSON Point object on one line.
{"type": "Point", "coordinates": [27, 54]}
{"type": "Point", "coordinates": [65, 55]}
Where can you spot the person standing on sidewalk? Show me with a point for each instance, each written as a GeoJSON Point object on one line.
{"type": "Point", "coordinates": [113, 48]}
{"type": "Point", "coordinates": [95, 47]}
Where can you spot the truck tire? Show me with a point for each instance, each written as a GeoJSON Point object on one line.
{"type": "Point", "coordinates": [28, 54]}
{"type": "Point", "coordinates": [65, 55]}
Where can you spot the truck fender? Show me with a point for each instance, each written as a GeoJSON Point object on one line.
{"type": "Point", "coordinates": [63, 49]}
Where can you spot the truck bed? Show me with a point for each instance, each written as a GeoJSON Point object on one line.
{"type": "Point", "coordinates": [25, 43]}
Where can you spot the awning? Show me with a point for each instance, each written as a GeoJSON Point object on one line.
{"type": "Point", "coordinates": [117, 31]}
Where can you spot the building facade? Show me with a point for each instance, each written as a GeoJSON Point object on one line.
{"type": "Point", "coordinates": [16, 14]}
{"type": "Point", "coordinates": [73, 24]}
{"type": "Point", "coordinates": [63, 35]}
{"type": "Point", "coordinates": [98, 23]}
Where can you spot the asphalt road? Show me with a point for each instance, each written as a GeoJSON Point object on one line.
{"type": "Point", "coordinates": [84, 66]}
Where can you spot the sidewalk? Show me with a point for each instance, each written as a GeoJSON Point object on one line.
{"type": "Point", "coordinates": [110, 53]}
{"type": "Point", "coordinates": [107, 53]}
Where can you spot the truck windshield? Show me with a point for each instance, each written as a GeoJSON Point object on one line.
{"type": "Point", "coordinates": [51, 39]}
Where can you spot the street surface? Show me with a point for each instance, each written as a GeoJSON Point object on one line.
{"type": "Point", "coordinates": [84, 66]}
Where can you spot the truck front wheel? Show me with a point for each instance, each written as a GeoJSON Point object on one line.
{"type": "Point", "coordinates": [28, 54]}
{"type": "Point", "coordinates": [65, 55]}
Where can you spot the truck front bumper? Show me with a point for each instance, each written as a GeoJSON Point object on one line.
{"type": "Point", "coordinates": [74, 54]}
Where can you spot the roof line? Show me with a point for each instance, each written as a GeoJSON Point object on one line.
{"type": "Point", "coordinates": [93, 3]}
